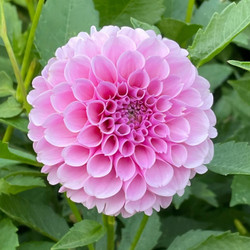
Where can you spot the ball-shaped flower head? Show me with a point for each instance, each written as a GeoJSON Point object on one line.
{"type": "Point", "coordinates": [121, 120]}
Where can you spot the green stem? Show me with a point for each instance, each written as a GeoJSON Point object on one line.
{"type": "Point", "coordinates": [139, 232]}
{"type": "Point", "coordinates": [31, 10]}
{"type": "Point", "coordinates": [189, 11]}
{"type": "Point", "coordinates": [30, 73]}
{"type": "Point", "coordinates": [109, 222]}
{"type": "Point", "coordinates": [8, 134]}
{"type": "Point", "coordinates": [74, 209]}
{"type": "Point", "coordinates": [241, 229]}
{"type": "Point", "coordinates": [3, 34]}
{"type": "Point", "coordinates": [77, 215]}
{"type": "Point", "coordinates": [31, 38]}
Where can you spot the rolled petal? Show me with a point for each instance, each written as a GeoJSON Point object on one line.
{"type": "Point", "coordinates": [144, 156]}
{"type": "Point", "coordinates": [76, 155]}
{"type": "Point", "coordinates": [159, 174]}
{"type": "Point", "coordinates": [90, 136]}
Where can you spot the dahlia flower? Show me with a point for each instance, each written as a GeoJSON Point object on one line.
{"type": "Point", "coordinates": [122, 120]}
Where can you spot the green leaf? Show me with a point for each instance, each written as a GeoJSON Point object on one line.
{"type": "Point", "coordinates": [8, 235]}
{"type": "Point", "coordinates": [243, 39]}
{"type": "Point", "coordinates": [176, 9]}
{"type": "Point", "coordinates": [72, 16]}
{"type": "Point", "coordinates": [215, 73]}
{"type": "Point", "coordinates": [242, 65]}
{"type": "Point", "coordinates": [203, 14]}
{"type": "Point", "coordinates": [18, 122]}
{"type": "Point", "coordinates": [19, 183]}
{"type": "Point", "coordinates": [191, 239]}
{"type": "Point", "coordinates": [240, 190]}
{"type": "Point", "coordinates": [17, 155]}
{"type": "Point", "coordinates": [10, 108]}
{"type": "Point", "coordinates": [200, 190]}
{"type": "Point", "coordinates": [6, 85]}
{"type": "Point", "coordinates": [231, 158]}
{"type": "Point", "coordinates": [172, 226]}
{"type": "Point", "coordinates": [220, 31]}
{"type": "Point", "coordinates": [145, 26]}
{"type": "Point", "coordinates": [6, 67]}
{"type": "Point", "coordinates": [119, 12]}
{"type": "Point", "coordinates": [225, 242]}
{"type": "Point", "coordinates": [36, 245]}
{"type": "Point", "coordinates": [14, 25]}
{"type": "Point", "coordinates": [177, 30]}
{"type": "Point", "coordinates": [81, 234]}
{"type": "Point", "coordinates": [150, 234]}
{"type": "Point", "coordinates": [178, 200]}
{"type": "Point", "coordinates": [242, 86]}
{"type": "Point", "coordinates": [36, 216]}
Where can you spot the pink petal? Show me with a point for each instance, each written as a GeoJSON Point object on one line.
{"type": "Point", "coordinates": [77, 67]}
{"type": "Point", "coordinates": [110, 145]}
{"type": "Point", "coordinates": [56, 73]}
{"type": "Point", "coordinates": [110, 107]}
{"type": "Point", "coordinates": [47, 153]}
{"type": "Point", "coordinates": [144, 156]}
{"type": "Point", "coordinates": [103, 187]}
{"type": "Point", "coordinates": [75, 116]}
{"type": "Point", "coordinates": [90, 136]}
{"type": "Point", "coordinates": [129, 62]}
{"type": "Point", "coordinates": [35, 132]}
{"type": "Point", "coordinates": [56, 132]}
{"type": "Point", "coordinates": [153, 47]}
{"type": "Point", "coordinates": [136, 188]}
{"type": "Point", "coordinates": [125, 168]}
{"type": "Point", "coordinates": [159, 145]}
{"type": "Point", "coordinates": [83, 90]}
{"type": "Point", "coordinates": [67, 173]}
{"type": "Point", "coordinates": [99, 165]}
{"type": "Point", "coordinates": [116, 45]}
{"type": "Point", "coordinates": [196, 154]}
{"type": "Point", "coordinates": [178, 154]}
{"type": "Point", "coordinates": [179, 129]}
{"type": "Point", "coordinates": [114, 204]}
{"type": "Point", "coordinates": [155, 87]}
{"type": "Point", "coordinates": [107, 125]}
{"type": "Point", "coordinates": [159, 174]}
{"type": "Point", "coordinates": [95, 111]}
{"type": "Point", "coordinates": [86, 47]}
{"type": "Point", "coordinates": [106, 90]}
{"type": "Point", "coordinates": [122, 89]}
{"type": "Point", "coordinates": [199, 126]}
{"type": "Point", "coordinates": [138, 79]}
{"type": "Point", "coordinates": [104, 69]}
{"type": "Point", "coordinates": [75, 155]}
{"type": "Point", "coordinates": [126, 148]}
{"type": "Point", "coordinates": [62, 96]}
{"type": "Point", "coordinates": [163, 104]}
{"type": "Point", "coordinates": [172, 86]}
{"type": "Point", "coordinates": [157, 68]}
{"type": "Point", "coordinates": [42, 109]}
{"type": "Point", "coordinates": [160, 130]}
{"type": "Point", "coordinates": [190, 97]}
{"type": "Point", "coordinates": [146, 202]}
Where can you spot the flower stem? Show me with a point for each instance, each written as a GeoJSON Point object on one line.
{"type": "Point", "coordinates": [74, 209]}
{"type": "Point", "coordinates": [30, 73]}
{"type": "Point", "coordinates": [109, 222]}
{"type": "Point", "coordinates": [241, 229]}
{"type": "Point", "coordinates": [77, 215]}
{"type": "Point", "coordinates": [189, 11]}
{"type": "Point", "coordinates": [31, 38]}
{"type": "Point", "coordinates": [31, 10]}
{"type": "Point", "coordinates": [139, 231]}
{"type": "Point", "coordinates": [7, 134]}
{"type": "Point", "coordinates": [3, 34]}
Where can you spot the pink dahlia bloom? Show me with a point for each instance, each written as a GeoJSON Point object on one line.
{"type": "Point", "coordinates": [121, 120]}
